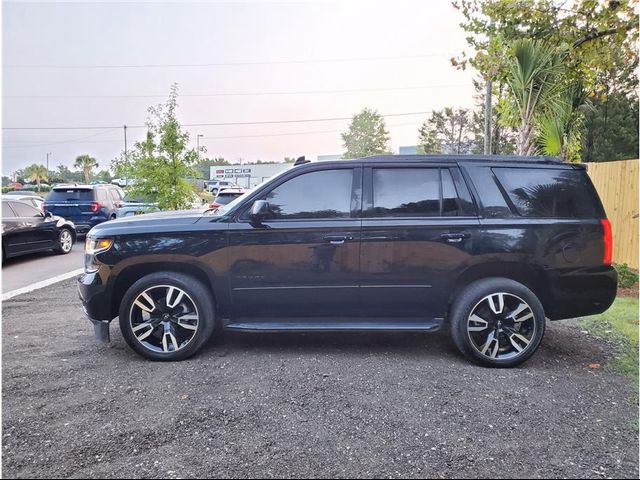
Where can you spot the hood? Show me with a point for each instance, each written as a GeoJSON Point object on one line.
{"type": "Point", "coordinates": [175, 220]}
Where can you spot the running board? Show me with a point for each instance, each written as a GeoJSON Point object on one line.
{"type": "Point", "coordinates": [280, 325]}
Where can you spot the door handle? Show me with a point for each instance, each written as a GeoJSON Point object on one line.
{"type": "Point", "coordinates": [337, 239]}
{"type": "Point", "coordinates": [454, 237]}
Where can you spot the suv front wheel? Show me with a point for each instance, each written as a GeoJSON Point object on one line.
{"type": "Point", "coordinates": [167, 316]}
{"type": "Point", "coordinates": [497, 322]}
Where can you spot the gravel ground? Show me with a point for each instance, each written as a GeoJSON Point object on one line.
{"type": "Point", "coordinates": [323, 405]}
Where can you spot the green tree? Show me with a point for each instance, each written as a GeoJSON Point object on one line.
{"type": "Point", "coordinates": [289, 159]}
{"type": "Point", "coordinates": [203, 166]}
{"type": "Point", "coordinates": [86, 163]}
{"type": "Point", "coordinates": [447, 131]}
{"type": "Point", "coordinates": [36, 173]}
{"type": "Point", "coordinates": [534, 68]}
{"type": "Point", "coordinates": [5, 181]}
{"type": "Point", "coordinates": [503, 137]}
{"type": "Point", "coordinates": [560, 129]}
{"type": "Point", "coordinates": [63, 174]}
{"type": "Point", "coordinates": [599, 36]}
{"type": "Point", "coordinates": [367, 135]}
{"type": "Point", "coordinates": [104, 176]}
{"type": "Point", "coordinates": [160, 164]}
{"type": "Point", "coordinates": [611, 129]}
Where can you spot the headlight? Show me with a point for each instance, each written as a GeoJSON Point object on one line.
{"type": "Point", "coordinates": [92, 245]}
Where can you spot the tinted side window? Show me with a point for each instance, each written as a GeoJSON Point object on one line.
{"type": "Point", "coordinates": [24, 210]}
{"type": "Point", "coordinates": [549, 192]}
{"type": "Point", "coordinates": [406, 192]}
{"type": "Point", "coordinates": [449, 195]}
{"type": "Point", "coordinates": [323, 194]}
{"type": "Point", "coordinates": [6, 211]}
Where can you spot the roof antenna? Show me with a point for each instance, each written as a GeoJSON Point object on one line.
{"type": "Point", "coordinates": [300, 160]}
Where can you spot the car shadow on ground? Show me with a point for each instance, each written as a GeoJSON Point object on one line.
{"type": "Point", "coordinates": [564, 344]}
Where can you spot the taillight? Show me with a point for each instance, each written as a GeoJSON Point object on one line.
{"type": "Point", "coordinates": [95, 206]}
{"type": "Point", "coordinates": [214, 205]}
{"type": "Point", "coordinates": [608, 241]}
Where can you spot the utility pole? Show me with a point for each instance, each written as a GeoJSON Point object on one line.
{"type": "Point", "coordinates": [125, 155]}
{"type": "Point", "coordinates": [49, 153]}
{"type": "Point", "coordinates": [487, 119]}
{"type": "Point", "coordinates": [198, 144]}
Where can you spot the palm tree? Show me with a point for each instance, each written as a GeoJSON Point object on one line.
{"type": "Point", "coordinates": [532, 77]}
{"type": "Point", "coordinates": [36, 173]}
{"type": "Point", "coordinates": [86, 163]}
{"type": "Point", "coordinates": [559, 132]}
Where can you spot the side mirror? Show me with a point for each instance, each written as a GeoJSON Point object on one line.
{"type": "Point", "coordinates": [259, 211]}
{"type": "Point", "coordinates": [48, 214]}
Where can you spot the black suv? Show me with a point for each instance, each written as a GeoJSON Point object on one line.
{"type": "Point", "coordinates": [487, 247]}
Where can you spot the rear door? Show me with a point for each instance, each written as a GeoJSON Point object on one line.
{"type": "Point", "coordinates": [302, 261]}
{"type": "Point", "coordinates": [418, 230]}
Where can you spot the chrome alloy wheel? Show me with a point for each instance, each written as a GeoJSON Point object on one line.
{"type": "Point", "coordinates": [164, 318]}
{"type": "Point", "coordinates": [66, 241]}
{"type": "Point", "coordinates": [501, 326]}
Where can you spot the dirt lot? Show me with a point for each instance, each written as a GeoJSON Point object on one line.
{"type": "Point", "coordinates": [303, 405]}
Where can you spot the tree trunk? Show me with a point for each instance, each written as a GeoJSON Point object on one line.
{"type": "Point", "coordinates": [526, 144]}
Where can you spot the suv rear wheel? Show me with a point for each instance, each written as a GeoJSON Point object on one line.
{"type": "Point", "coordinates": [497, 322]}
{"type": "Point", "coordinates": [167, 316]}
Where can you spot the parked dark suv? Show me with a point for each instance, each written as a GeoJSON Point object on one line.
{"type": "Point", "coordinates": [484, 246]}
{"type": "Point", "coordinates": [85, 205]}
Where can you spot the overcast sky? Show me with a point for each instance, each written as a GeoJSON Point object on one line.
{"type": "Point", "coordinates": [53, 51]}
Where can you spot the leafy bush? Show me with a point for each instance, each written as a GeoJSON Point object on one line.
{"type": "Point", "coordinates": [7, 189]}
{"type": "Point", "coordinates": [626, 276]}
{"type": "Point", "coordinates": [34, 188]}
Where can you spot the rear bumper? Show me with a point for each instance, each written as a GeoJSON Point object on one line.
{"type": "Point", "coordinates": [582, 292]}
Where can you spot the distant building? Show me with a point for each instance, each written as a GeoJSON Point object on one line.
{"type": "Point", "coordinates": [409, 150]}
{"type": "Point", "coordinates": [246, 176]}
{"type": "Point", "coordinates": [322, 158]}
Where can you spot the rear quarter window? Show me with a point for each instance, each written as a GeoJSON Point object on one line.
{"type": "Point", "coordinates": [549, 192]}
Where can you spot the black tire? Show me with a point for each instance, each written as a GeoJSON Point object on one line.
{"type": "Point", "coordinates": [64, 237]}
{"type": "Point", "coordinates": [196, 293]}
{"type": "Point", "coordinates": [214, 192]}
{"type": "Point", "coordinates": [470, 302]}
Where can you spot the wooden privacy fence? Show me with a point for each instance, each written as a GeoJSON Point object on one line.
{"type": "Point", "coordinates": [617, 185]}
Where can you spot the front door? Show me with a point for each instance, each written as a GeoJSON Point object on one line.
{"type": "Point", "coordinates": [303, 260]}
{"type": "Point", "coordinates": [417, 232]}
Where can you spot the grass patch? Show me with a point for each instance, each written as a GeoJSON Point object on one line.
{"type": "Point", "coordinates": [619, 324]}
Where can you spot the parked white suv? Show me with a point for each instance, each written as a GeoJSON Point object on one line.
{"type": "Point", "coordinates": [214, 186]}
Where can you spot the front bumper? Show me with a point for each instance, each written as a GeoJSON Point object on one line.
{"type": "Point", "coordinates": [93, 294]}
